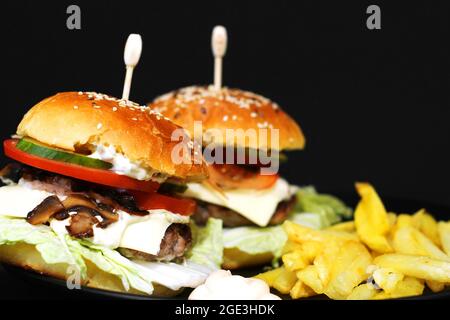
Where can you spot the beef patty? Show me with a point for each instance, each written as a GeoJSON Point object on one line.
{"type": "Point", "coordinates": [176, 241]}
{"type": "Point", "coordinates": [233, 219]}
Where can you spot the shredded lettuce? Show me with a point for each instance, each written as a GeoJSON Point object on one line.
{"type": "Point", "coordinates": [207, 247]}
{"type": "Point", "coordinates": [255, 240]}
{"type": "Point", "coordinates": [331, 209]}
{"type": "Point", "coordinates": [205, 256]}
{"type": "Point", "coordinates": [49, 245]}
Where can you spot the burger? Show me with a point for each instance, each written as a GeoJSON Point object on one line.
{"type": "Point", "coordinates": [245, 194]}
{"type": "Point", "coordinates": [92, 195]}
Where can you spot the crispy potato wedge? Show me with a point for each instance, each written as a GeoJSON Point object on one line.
{"type": "Point", "coordinates": [371, 219]}
{"type": "Point", "coordinates": [364, 291]}
{"type": "Point", "coordinates": [299, 234]}
{"type": "Point", "coordinates": [348, 226]}
{"type": "Point", "coordinates": [294, 260]}
{"type": "Point", "coordinates": [285, 281]}
{"type": "Point", "coordinates": [270, 276]}
{"type": "Point", "coordinates": [407, 287]}
{"type": "Point", "coordinates": [416, 266]}
{"type": "Point", "coordinates": [427, 225]}
{"type": "Point", "coordinates": [310, 277]}
{"type": "Point", "coordinates": [387, 278]}
{"type": "Point", "coordinates": [301, 290]}
{"type": "Point", "coordinates": [444, 236]}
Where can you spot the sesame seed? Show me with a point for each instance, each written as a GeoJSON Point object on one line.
{"type": "Point", "coordinates": [135, 119]}
{"type": "Point", "coordinates": [75, 107]}
{"type": "Point", "coordinates": [114, 109]}
{"type": "Point", "coordinates": [80, 93]}
{"type": "Point", "coordinates": [253, 114]}
{"type": "Point", "coordinates": [234, 117]}
{"type": "Point", "coordinates": [96, 106]}
{"type": "Point", "coordinates": [99, 126]}
{"type": "Point", "coordinates": [225, 118]}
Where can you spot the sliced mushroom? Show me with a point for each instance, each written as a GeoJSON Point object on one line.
{"type": "Point", "coordinates": [106, 211]}
{"type": "Point", "coordinates": [122, 201]}
{"type": "Point", "coordinates": [82, 222]}
{"type": "Point", "coordinates": [45, 210]}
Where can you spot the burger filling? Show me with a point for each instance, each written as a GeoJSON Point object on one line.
{"type": "Point", "coordinates": [104, 216]}
{"type": "Point", "coordinates": [240, 196]}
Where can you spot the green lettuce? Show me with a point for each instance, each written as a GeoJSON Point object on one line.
{"type": "Point", "coordinates": [330, 209]}
{"type": "Point", "coordinates": [255, 240]}
{"type": "Point", "coordinates": [49, 245]}
{"type": "Point", "coordinates": [207, 247]}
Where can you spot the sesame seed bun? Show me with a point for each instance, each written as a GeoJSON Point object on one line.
{"type": "Point", "coordinates": [26, 256]}
{"type": "Point", "coordinates": [230, 109]}
{"type": "Point", "coordinates": [78, 121]}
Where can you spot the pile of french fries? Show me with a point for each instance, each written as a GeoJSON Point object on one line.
{"type": "Point", "coordinates": [379, 255]}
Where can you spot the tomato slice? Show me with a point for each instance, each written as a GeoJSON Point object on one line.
{"type": "Point", "coordinates": [152, 201]}
{"type": "Point", "coordinates": [99, 176]}
{"type": "Point", "coordinates": [228, 176]}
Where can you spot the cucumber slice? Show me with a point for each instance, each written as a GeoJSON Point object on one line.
{"type": "Point", "coordinates": [37, 149]}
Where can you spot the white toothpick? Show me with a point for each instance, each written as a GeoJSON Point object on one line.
{"type": "Point", "coordinates": [131, 55]}
{"type": "Point", "coordinates": [219, 47]}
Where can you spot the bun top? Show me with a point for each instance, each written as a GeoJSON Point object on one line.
{"type": "Point", "coordinates": [230, 109]}
{"type": "Point", "coordinates": [80, 121]}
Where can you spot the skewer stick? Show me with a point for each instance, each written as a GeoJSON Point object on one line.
{"type": "Point", "coordinates": [131, 55]}
{"type": "Point", "coordinates": [219, 47]}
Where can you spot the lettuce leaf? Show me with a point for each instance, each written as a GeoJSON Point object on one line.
{"type": "Point", "coordinates": [256, 240]}
{"type": "Point", "coordinates": [49, 245]}
{"type": "Point", "coordinates": [331, 209]}
{"type": "Point", "coordinates": [207, 247]}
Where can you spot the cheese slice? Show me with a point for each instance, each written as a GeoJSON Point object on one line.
{"type": "Point", "coordinates": [17, 200]}
{"type": "Point", "coordinates": [257, 206]}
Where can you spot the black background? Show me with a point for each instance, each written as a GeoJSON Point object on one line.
{"type": "Point", "coordinates": [374, 104]}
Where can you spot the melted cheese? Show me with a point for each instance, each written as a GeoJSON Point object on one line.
{"type": "Point", "coordinates": [17, 200]}
{"type": "Point", "coordinates": [256, 205]}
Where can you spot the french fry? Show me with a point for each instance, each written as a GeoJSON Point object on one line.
{"type": "Point", "coordinates": [301, 290]}
{"type": "Point", "coordinates": [310, 277]}
{"type": "Point", "coordinates": [444, 236]}
{"type": "Point", "coordinates": [435, 286]}
{"type": "Point", "coordinates": [371, 219]}
{"type": "Point", "coordinates": [290, 246]}
{"type": "Point", "coordinates": [392, 218]}
{"type": "Point", "coordinates": [408, 240]}
{"type": "Point", "coordinates": [427, 225]}
{"type": "Point", "coordinates": [348, 270]}
{"type": "Point", "coordinates": [387, 279]}
{"type": "Point", "coordinates": [348, 226]}
{"type": "Point", "coordinates": [299, 234]}
{"type": "Point", "coordinates": [416, 266]}
{"type": "Point", "coordinates": [311, 249]}
{"type": "Point", "coordinates": [407, 287]}
{"type": "Point", "coordinates": [294, 260]}
{"type": "Point", "coordinates": [364, 291]}
{"type": "Point", "coordinates": [270, 276]}
{"type": "Point", "coordinates": [285, 281]}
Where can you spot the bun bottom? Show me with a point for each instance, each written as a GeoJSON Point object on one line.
{"type": "Point", "coordinates": [26, 256]}
{"type": "Point", "coordinates": [234, 258]}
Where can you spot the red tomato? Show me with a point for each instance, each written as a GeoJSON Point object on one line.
{"type": "Point", "coordinates": [100, 176]}
{"type": "Point", "coordinates": [151, 201]}
{"type": "Point", "coordinates": [229, 176]}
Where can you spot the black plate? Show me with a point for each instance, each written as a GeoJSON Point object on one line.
{"type": "Point", "coordinates": [48, 287]}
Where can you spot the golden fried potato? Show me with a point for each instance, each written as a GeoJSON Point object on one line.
{"type": "Point", "coordinates": [371, 219]}
{"type": "Point", "coordinates": [299, 234]}
{"type": "Point", "coordinates": [416, 266]}
{"type": "Point", "coordinates": [311, 249]}
{"type": "Point", "coordinates": [408, 240]}
{"type": "Point", "coordinates": [407, 287]}
{"type": "Point", "coordinates": [404, 220]}
{"type": "Point", "coordinates": [435, 286]}
{"type": "Point", "coordinates": [348, 226]}
{"type": "Point", "coordinates": [364, 291]}
{"type": "Point", "coordinates": [310, 277]}
{"type": "Point", "coordinates": [387, 278]}
{"type": "Point", "coordinates": [427, 225]}
{"type": "Point", "coordinates": [348, 270]}
{"type": "Point", "coordinates": [301, 290]}
{"type": "Point", "coordinates": [444, 236]}
{"type": "Point", "coordinates": [270, 276]}
{"type": "Point", "coordinates": [285, 281]}
{"type": "Point", "coordinates": [294, 260]}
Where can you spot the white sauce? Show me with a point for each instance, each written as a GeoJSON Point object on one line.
{"type": "Point", "coordinates": [222, 285]}
{"type": "Point", "coordinates": [124, 166]}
